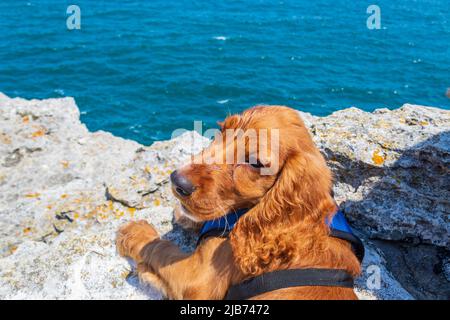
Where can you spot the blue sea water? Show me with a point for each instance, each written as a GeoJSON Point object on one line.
{"type": "Point", "coordinates": [141, 69]}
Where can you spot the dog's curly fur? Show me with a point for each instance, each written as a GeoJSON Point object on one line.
{"type": "Point", "coordinates": [285, 227]}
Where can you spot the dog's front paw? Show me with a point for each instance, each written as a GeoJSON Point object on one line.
{"type": "Point", "coordinates": [132, 237]}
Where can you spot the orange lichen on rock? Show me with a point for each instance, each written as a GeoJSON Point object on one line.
{"type": "Point", "coordinates": [377, 158]}
{"type": "Point", "coordinates": [132, 211]}
{"type": "Point", "coordinates": [65, 164]}
{"type": "Point", "coordinates": [38, 133]}
{"type": "Point", "coordinates": [12, 249]}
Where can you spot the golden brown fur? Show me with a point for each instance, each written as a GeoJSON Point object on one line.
{"type": "Point", "coordinates": [285, 227]}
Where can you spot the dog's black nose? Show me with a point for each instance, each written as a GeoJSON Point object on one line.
{"type": "Point", "coordinates": [181, 184]}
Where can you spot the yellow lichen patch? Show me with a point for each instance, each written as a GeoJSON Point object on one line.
{"type": "Point", "coordinates": [377, 158]}
{"type": "Point", "coordinates": [4, 138]}
{"type": "Point", "coordinates": [124, 274]}
{"type": "Point", "coordinates": [118, 214]}
{"type": "Point", "coordinates": [424, 123]}
{"type": "Point", "coordinates": [382, 124]}
{"type": "Point", "coordinates": [26, 230]}
{"type": "Point", "coordinates": [65, 164]}
{"type": "Point", "coordinates": [102, 216]}
{"type": "Point", "coordinates": [25, 119]}
{"type": "Point", "coordinates": [64, 196]}
{"type": "Point", "coordinates": [38, 133]}
{"type": "Point", "coordinates": [49, 207]}
{"type": "Point", "coordinates": [12, 249]}
{"type": "Point", "coordinates": [402, 120]}
{"type": "Point", "coordinates": [32, 195]}
{"type": "Point", "coordinates": [132, 211]}
{"type": "Point", "coordinates": [156, 202]}
{"type": "Point", "coordinates": [76, 216]}
{"type": "Point", "coordinates": [147, 169]}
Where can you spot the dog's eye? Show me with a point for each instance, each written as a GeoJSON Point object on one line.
{"type": "Point", "coordinates": [257, 165]}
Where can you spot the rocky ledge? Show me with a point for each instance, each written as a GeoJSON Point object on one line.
{"type": "Point", "coordinates": [64, 191]}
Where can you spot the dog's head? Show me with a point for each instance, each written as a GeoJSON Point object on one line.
{"type": "Point", "coordinates": [265, 148]}
{"type": "Point", "coordinates": [237, 168]}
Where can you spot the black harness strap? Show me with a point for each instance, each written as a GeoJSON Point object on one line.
{"type": "Point", "coordinates": [357, 245]}
{"type": "Point", "coordinates": [289, 278]}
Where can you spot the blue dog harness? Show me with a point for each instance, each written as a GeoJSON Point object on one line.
{"type": "Point", "coordinates": [339, 228]}
{"type": "Point", "coordinates": [220, 227]}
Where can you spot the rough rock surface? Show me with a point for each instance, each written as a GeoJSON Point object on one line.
{"type": "Point", "coordinates": [64, 191]}
{"type": "Point", "coordinates": [391, 170]}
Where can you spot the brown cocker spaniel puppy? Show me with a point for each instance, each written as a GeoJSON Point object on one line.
{"type": "Point", "coordinates": [285, 227]}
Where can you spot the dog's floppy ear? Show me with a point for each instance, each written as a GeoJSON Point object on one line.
{"type": "Point", "coordinates": [265, 237]}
